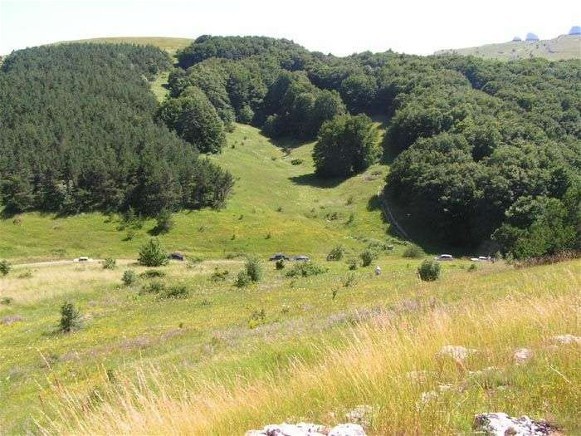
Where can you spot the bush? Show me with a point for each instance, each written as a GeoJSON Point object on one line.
{"type": "Point", "coordinates": [152, 274]}
{"type": "Point", "coordinates": [352, 264]}
{"type": "Point", "coordinates": [5, 267]}
{"type": "Point", "coordinates": [152, 254]}
{"type": "Point", "coordinates": [129, 277]}
{"type": "Point", "coordinates": [156, 287]}
{"type": "Point", "coordinates": [257, 318]}
{"type": "Point", "coordinates": [177, 291]}
{"type": "Point", "coordinates": [109, 263]}
{"type": "Point", "coordinates": [253, 269]}
{"type": "Point", "coordinates": [305, 269]}
{"type": "Point", "coordinates": [429, 270]}
{"type": "Point", "coordinates": [242, 279]}
{"type": "Point", "coordinates": [413, 251]}
{"type": "Point", "coordinates": [279, 264]}
{"type": "Point", "coordinates": [368, 256]}
{"type": "Point", "coordinates": [336, 253]}
{"type": "Point", "coordinates": [70, 318]}
{"type": "Point", "coordinates": [219, 276]}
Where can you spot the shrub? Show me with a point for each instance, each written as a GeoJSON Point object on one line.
{"type": "Point", "coordinates": [70, 318]}
{"type": "Point", "coordinates": [414, 251]}
{"type": "Point", "coordinates": [279, 264]}
{"type": "Point", "coordinates": [336, 253]}
{"type": "Point", "coordinates": [152, 254]}
{"type": "Point", "coordinates": [156, 287]}
{"type": "Point", "coordinates": [305, 269]}
{"type": "Point", "coordinates": [177, 291]}
{"type": "Point", "coordinates": [6, 300]}
{"type": "Point", "coordinates": [129, 277]}
{"type": "Point", "coordinates": [219, 276]}
{"type": "Point", "coordinates": [164, 222]}
{"type": "Point", "coordinates": [367, 256]}
{"type": "Point", "coordinates": [253, 269]}
{"type": "Point", "coordinates": [5, 267]}
{"type": "Point", "coordinates": [257, 318]}
{"type": "Point", "coordinates": [296, 161]}
{"type": "Point", "coordinates": [109, 263]}
{"type": "Point", "coordinates": [472, 267]}
{"type": "Point", "coordinates": [352, 264]}
{"type": "Point", "coordinates": [429, 270]}
{"type": "Point", "coordinates": [242, 279]}
{"type": "Point", "coordinates": [152, 274]}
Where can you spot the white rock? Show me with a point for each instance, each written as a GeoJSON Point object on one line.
{"type": "Point", "coordinates": [284, 429]}
{"type": "Point", "coordinates": [500, 424]}
{"type": "Point", "coordinates": [566, 339]}
{"type": "Point", "coordinates": [362, 414]}
{"type": "Point", "coordinates": [522, 355]}
{"type": "Point", "coordinates": [347, 430]}
{"type": "Point", "coordinates": [457, 352]}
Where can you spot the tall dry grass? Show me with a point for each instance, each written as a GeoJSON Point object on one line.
{"type": "Point", "coordinates": [390, 363]}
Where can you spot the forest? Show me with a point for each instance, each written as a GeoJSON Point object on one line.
{"type": "Point", "coordinates": [80, 132]}
{"type": "Point", "coordinates": [478, 149]}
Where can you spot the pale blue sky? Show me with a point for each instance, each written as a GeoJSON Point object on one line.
{"type": "Point", "coordinates": [340, 27]}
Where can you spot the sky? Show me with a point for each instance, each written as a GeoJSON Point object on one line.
{"type": "Point", "coordinates": [339, 27]}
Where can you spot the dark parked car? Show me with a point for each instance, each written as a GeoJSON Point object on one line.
{"type": "Point", "coordinates": [177, 256]}
{"type": "Point", "coordinates": [279, 256]}
{"type": "Point", "coordinates": [302, 258]}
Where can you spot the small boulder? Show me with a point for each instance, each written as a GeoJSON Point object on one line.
{"type": "Point", "coordinates": [566, 339]}
{"type": "Point", "coordinates": [456, 352]}
{"type": "Point", "coordinates": [522, 355]}
{"type": "Point", "coordinates": [347, 430]}
{"type": "Point", "coordinates": [284, 429]}
{"type": "Point", "coordinates": [500, 424]}
{"type": "Point", "coordinates": [362, 414]}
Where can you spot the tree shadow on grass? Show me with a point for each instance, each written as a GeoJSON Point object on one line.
{"type": "Point", "coordinates": [315, 181]}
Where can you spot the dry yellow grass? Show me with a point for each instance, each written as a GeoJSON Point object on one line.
{"type": "Point", "coordinates": [374, 368]}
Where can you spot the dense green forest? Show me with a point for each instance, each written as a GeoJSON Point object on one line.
{"type": "Point", "coordinates": [478, 149]}
{"type": "Point", "coordinates": [472, 142]}
{"type": "Point", "coordinates": [79, 133]}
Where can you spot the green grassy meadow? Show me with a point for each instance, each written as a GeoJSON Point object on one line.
{"type": "Point", "coordinates": [276, 206]}
{"type": "Point", "coordinates": [222, 359]}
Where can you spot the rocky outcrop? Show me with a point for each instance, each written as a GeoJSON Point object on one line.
{"type": "Point", "coordinates": [566, 339]}
{"type": "Point", "coordinates": [308, 429]}
{"type": "Point", "coordinates": [522, 355]}
{"type": "Point", "coordinates": [500, 424]}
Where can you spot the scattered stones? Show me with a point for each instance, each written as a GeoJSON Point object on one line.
{"type": "Point", "coordinates": [522, 355]}
{"type": "Point", "coordinates": [500, 424]}
{"type": "Point", "coordinates": [307, 429]}
{"type": "Point", "coordinates": [362, 414]}
{"type": "Point", "coordinates": [456, 352]}
{"type": "Point", "coordinates": [566, 339]}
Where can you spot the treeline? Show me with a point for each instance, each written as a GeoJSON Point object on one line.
{"type": "Point", "coordinates": [480, 148]}
{"type": "Point", "coordinates": [79, 133]}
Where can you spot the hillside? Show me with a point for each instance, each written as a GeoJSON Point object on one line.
{"type": "Point", "coordinates": [560, 48]}
{"type": "Point", "coordinates": [171, 45]}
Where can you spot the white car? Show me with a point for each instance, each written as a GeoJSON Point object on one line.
{"type": "Point", "coordinates": [444, 257]}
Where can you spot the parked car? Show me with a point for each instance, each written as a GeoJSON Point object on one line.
{"type": "Point", "coordinates": [279, 256]}
{"type": "Point", "coordinates": [177, 256]}
{"type": "Point", "coordinates": [302, 258]}
{"type": "Point", "coordinates": [444, 257]}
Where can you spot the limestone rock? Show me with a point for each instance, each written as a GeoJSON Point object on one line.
{"type": "Point", "coordinates": [362, 414]}
{"type": "Point", "coordinates": [500, 424]}
{"type": "Point", "coordinates": [522, 355]}
{"type": "Point", "coordinates": [456, 352]}
{"type": "Point", "coordinates": [347, 430]}
{"type": "Point", "coordinates": [284, 429]}
{"type": "Point", "coordinates": [566, 339]}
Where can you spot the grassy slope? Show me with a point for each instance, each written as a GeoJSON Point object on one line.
{"type": "Point", "coordinates": [171, 45]}
{"type": "Point", "coordinates": [276, 206]}
{"type": "Point", "coordinates": [309, 360]}
{"type": "Point", "coordinates": [562, 47]}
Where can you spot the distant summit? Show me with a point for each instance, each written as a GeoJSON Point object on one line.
{"type": "Point", "coordinates": [575, 30]}
{"type": "Point", "coordinates": [531, 37]}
